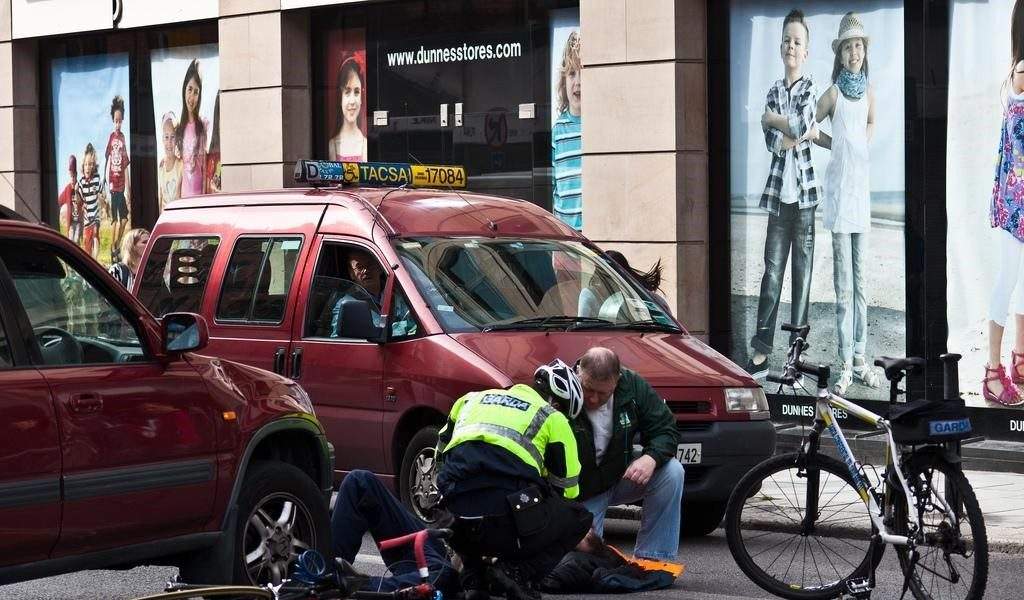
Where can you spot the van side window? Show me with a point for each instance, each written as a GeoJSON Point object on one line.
{"type": "Point", "coordinates": [5, 348]}
{"type": "Point", "coordinates": [257, 280]}
{"type": "Point", "coordinates": [344, 274]}
{"type": "Point", "coordinates": [176, 272]}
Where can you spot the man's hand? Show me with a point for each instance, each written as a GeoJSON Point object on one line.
{"type": "Point", "coordinates": [641, 470]}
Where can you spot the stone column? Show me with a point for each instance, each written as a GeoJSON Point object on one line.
{"type": "Point", "coordinates": [265, 93]}
{"type": "Point", "coordinates": [19, 121]}
{"type": "Point", "coordinates": [645, 141]}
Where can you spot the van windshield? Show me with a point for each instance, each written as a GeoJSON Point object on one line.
{"type": "Point", "coordinates": [493, 284]}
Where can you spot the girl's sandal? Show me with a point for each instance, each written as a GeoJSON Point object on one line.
{"type": "Point", "coordinates": [1010, 395]}
{"type": "Point", "coordinates": [865, 373]}
{"type": "Point", "coordinates": [1016, 362]}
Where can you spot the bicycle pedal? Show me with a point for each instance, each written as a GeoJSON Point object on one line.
{"type": "Point", "coordinates": [857, 588]}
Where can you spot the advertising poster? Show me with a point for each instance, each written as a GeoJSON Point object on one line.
{"type": "Point", "coordinates": [186, 84]}
{"type": "Point", "coordinates": [817, 199]}
{"type": "Point", "coordinates": [985, 232]}
{"type": "Point", "coordinates": [345, 102]}
{"type": "Point", "coordinates": [566, 139]}
{"type": "Point", "coordinates": [92, 145]}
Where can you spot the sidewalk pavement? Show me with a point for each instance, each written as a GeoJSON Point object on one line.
{"type": "Point", "coordinates": [1001, 496]}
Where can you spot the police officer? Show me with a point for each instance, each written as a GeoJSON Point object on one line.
{"type": "Point", "coordinates": [508, 465]}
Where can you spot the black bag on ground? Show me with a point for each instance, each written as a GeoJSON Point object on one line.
{"type": "Point", "coordinates": [926, 421]}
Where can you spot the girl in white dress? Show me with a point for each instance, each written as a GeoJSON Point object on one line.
{"type": "Point", "coordinates": [846, 207]}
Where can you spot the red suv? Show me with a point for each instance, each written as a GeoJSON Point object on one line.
{"type": "Point", "coordinates": [467, 292]}
{"type": "Point", "coordinates": [119, 446]}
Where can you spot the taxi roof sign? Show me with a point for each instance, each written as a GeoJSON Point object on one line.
{"type": "Point", "coordinates": [319, 173]}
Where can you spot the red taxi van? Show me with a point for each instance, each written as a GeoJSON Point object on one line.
{"type": "Point", "coordinates": [388, 303]}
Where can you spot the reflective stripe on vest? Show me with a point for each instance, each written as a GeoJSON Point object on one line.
{"type": "Point", "coordinates": [523, 440]}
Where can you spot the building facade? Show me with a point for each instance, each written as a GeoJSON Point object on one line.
{"type": "Point", "coordinates": [674, 161]}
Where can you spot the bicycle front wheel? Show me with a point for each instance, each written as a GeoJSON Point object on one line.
{"type": "Point", "coordinates": [797, 526]}
{"type": "Point", "coordinates": [952, 550]}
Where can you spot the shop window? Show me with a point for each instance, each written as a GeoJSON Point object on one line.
{"type": "Point", "coordinates": [120, 141]}
{"type": "Point", "coordinates": [257, 280]}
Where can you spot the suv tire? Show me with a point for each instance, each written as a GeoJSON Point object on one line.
{"type": "Point", "coordinates": [281, 513]}
{"type": "Point", "coordinates": [417, 477]}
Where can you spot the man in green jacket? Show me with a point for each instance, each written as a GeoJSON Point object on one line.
{"type": "Point", "coordinates": [618, 404]}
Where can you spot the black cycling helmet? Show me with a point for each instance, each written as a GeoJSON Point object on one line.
{"type": "Point", "coordinates": [557, 379]}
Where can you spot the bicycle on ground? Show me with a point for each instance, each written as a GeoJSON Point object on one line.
{"type": "Point", "coordinates": [804, 525]}
{"type": "Point", "coordinates": [314, 579]}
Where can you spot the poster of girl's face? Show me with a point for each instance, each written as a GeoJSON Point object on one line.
{"type": "Point", "coordinates": [186, 82]}
{"type": "Point", "coordinates": [345, 96]}
{"type": "Point", "coordinates": [90, 110]}
{"type": "Point", "coordinates": [817, 195]}
{"type": "Point", "coordinates": [983, 270]}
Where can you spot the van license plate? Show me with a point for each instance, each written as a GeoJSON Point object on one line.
{"type": "Point", "coordinates": [689, 454]}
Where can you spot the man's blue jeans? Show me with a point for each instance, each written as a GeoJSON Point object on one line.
{"type": "Point", "coordinates": [365, 505]}
{"type": "Point", "coordinates": [662, 512]}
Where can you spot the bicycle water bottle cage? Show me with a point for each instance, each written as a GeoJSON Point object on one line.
{"type": "Point", "coordinates": [926, 421]}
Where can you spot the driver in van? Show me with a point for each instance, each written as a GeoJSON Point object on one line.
{"type": "Point", "coordinates": [366, 273]}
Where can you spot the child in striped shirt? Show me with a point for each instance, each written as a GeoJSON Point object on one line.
{"type": "Point", "coordinates": [89, 192]}
{"type": "Point", "coordinates": [566, 145]}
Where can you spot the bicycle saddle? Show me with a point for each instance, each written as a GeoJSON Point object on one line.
{"type": "Point", "coordinates": [895, 366]}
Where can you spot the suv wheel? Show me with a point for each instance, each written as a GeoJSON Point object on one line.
{"type": "Point", "coordinates": [418, 477]}
{"type": "Point", "coordinates": [281, 513]}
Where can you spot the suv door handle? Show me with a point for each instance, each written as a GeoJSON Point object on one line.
{"type": "Point", "coordinates": [86, 403]}
{"type": "Point", "coordinates": [296, 363]}
{"type": "Point", "coordinates": [279, 361]}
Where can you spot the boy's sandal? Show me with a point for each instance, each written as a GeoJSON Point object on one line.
{"type": "Point", "coordinates": [1017, 361]}
{"type": "Point", "coordinates": [1010, 395]}
{"type": "Point", "coordinates": [845, 379]}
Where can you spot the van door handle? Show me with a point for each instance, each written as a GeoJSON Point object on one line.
{"type": "Point", "coordinates": [296, 363]}
{"type": "Point", "coordinates": [86, 403]}
{"type": "Point", "coordinates": [279, 361]}
{"type": "Point", "coordinates": [390, 395]}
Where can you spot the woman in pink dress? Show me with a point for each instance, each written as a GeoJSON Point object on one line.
{"type": "Point", "coordinates": [191, 133]}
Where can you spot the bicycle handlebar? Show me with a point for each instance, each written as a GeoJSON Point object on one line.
{"type": "Point", "coordinates": [795, 366]}
{"type": "Point", "coordinates": [419, 540]}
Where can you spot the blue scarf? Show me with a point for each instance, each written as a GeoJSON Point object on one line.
{"type": "Point", "coordinates": [852, 85]}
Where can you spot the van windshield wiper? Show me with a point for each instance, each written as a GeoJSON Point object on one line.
{"type": "Point", "coordinates": [645, 325]}
{"type": "Point", "coordinates": [558, 321]}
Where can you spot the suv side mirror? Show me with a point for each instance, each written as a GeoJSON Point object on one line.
{"type": "Point", "coordinates": [357, 321]}
{"type": "Point", "coordinates": [184, 332]}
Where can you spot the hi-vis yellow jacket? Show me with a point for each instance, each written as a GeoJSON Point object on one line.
{"type": "Point", "coordinates": [521, 421]}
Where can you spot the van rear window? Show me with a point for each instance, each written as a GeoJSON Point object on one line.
{"type": "Point", "coordinates": [176, 273]}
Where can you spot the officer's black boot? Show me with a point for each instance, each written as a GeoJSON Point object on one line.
{"type": "Point", "coordinates": [513, 582]}
{"type": "Point", "coordinates": [475, 583]}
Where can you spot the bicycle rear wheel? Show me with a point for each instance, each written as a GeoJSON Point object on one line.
{"type": "Point", "coordinates": [785, 552]}
{"type": "Point", "coordinates": [953, 556]}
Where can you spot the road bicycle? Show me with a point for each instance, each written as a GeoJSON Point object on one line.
{"type": "Point", "coordinates": [313, 578]}
{"type": "Point", "coordinates": [804, 525]}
